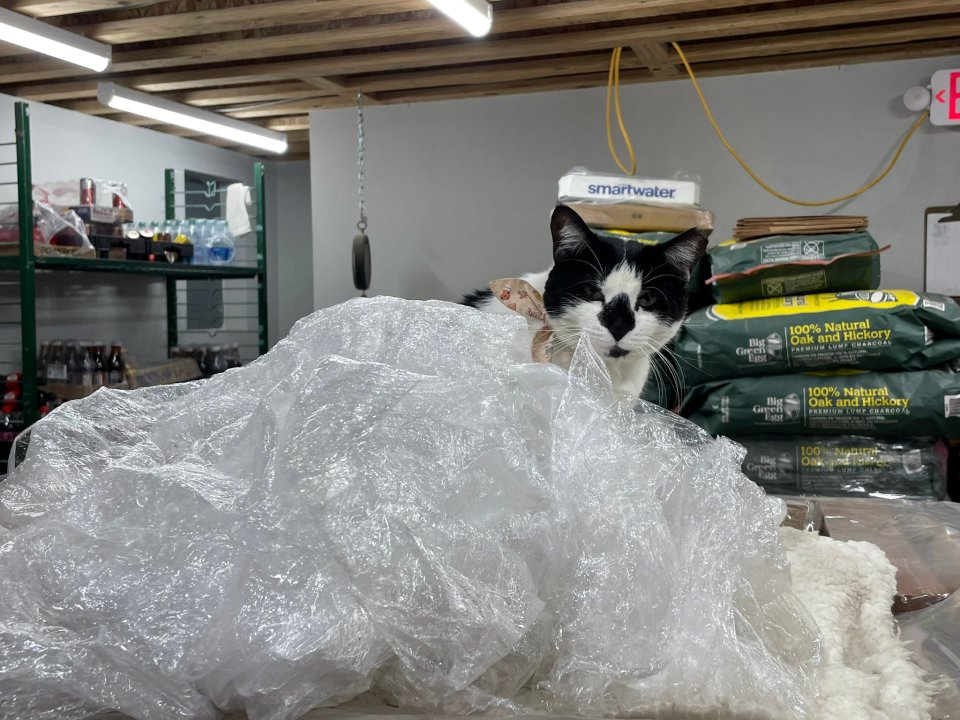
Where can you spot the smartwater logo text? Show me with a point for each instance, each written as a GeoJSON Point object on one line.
{"type": "Point", "coordinates": [654, 191]}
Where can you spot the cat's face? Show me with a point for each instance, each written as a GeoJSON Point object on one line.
{"type": "Point", "coordinates": [628, 298]}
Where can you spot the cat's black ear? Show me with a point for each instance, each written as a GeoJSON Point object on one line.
{"type": "Point", "coordinates": [570, 233]}
{"type": "Point", "coordinates": [685, 249]}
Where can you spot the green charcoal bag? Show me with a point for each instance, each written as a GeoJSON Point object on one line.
{"type": "Point", "coordinates": [923, 403]}
{"type": "Point", "coordinates": [867, 330]}
{"type": "Point", "coordinates": [912, 469]}
{"type": "Point", "coordinates": [779, 265]}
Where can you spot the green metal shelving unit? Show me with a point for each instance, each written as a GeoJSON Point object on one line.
{"type": "Point", "coordinates": [26, 264]}
{"type": "Point", "coordinates": [258, 271]}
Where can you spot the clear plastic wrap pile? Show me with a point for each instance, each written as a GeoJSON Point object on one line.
{"type": "Point", "coordinates": [393, 500]}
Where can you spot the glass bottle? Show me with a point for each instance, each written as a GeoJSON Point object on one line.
{"type": "Point", "coordinates": [85, 362]}
{"type": "Point", "coordinates": [218, 361]}
{"type": "Point", "coordinates": [73, 363]}
{"type": "Point", "coordinates": [116, 369]}
{"type": "Point", "coordinates": [204, 362]}
{"type": "Point", "coordinates": [56, 363]}
{"type": "Point", "coordinates": [100, 377]}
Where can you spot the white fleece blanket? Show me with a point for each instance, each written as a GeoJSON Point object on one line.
{"type": "Point", "coordinates": [867, 673]}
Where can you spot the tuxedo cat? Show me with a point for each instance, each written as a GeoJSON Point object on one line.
{"type": "Point", "coordinates": [626, 297]}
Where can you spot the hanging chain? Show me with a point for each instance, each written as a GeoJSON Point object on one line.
{"type": "Point", "coordinates": [362, 222]}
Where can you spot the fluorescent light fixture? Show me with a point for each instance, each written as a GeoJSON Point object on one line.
{"type": "Point", "coordinates": [475, 16]}
{"type": "Point", "coordinates": [56, 42]}
{"type": "Point", "coordinates": [186, 116]}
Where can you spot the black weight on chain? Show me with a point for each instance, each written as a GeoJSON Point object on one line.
{"type": "Point", "coordinates": [361, 263]}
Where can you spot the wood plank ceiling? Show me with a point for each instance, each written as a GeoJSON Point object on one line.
{"type": "Point", "coordinates": [272, 61]}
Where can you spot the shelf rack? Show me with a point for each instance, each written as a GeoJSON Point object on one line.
{"type": "Point", "coordinates": [26, 264]}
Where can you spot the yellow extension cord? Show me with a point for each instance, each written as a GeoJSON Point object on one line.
{"type": "Point", "coordinates": [613, 88]}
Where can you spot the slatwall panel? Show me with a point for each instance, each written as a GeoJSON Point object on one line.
{"type": "Point", "coordinates": [200, 196]}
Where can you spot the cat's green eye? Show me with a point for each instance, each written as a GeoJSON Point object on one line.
{"type": "Point", "coordinates": [645, 299]}
{"type": "Point", "coordinates": [596, 295]}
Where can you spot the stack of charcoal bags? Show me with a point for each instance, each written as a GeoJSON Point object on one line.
{"type": "Point", "coordinates": [833, 386]}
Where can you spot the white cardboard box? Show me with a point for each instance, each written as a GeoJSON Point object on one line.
{"type": "Point", "coordinates": [576, 187]}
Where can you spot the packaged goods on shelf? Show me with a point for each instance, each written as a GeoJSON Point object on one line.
{"type": "Point", "coordinates": [922, 403]}
{"type": "Point", "coordinates": [210, 359]}
{"type": "Point", "coordinates": [912, 469]}
{"type": "Point", "coordinates": [870, 330]}
{"type": "Point", "coordinates": [54, 232]}
{"type": "Point", "coordinates": [73, 369]}
{"type": "Point", "coordinates": [194, 241]}
{"type": "Point", "coordinates": [83, 191]}
{"type": "Point", "coordinates": [779, 265]}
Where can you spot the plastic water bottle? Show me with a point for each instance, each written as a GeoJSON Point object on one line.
{"type": "Point", "coordinates": [219, 244]}
{"type": "Point", "coordinates": [197, 234]}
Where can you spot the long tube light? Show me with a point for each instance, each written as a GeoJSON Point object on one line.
{"type": "Point", "coordinates": [56, 42]}
{"type": "Point", "coordinates": [476, 16]}
{"type": "Point", "coordinates": [186, 116]}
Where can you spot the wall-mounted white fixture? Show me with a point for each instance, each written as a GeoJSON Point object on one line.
{"type": "Point", "coordinates": [476, 16]}
{"type": "Point", "coordinates": [186, 116]}
{"type": "Point", "coordinates": [56, 42]}
{"type": "Point", "coordinates": [941, 97]}
{"type": "Point", "coordinates": [917, 99]}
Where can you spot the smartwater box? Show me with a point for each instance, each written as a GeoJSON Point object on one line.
{"type": "Point", "coordinates": [582, 186]}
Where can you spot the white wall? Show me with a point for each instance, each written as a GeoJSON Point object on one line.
{"type": "Point", "coordinates": [459, 192]}
{"type": "Point", "coordinates": [132, 309]}
{"type": "Point", "coordinates": [290, 246]}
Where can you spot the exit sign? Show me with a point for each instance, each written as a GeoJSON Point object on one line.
{"type": "Point", "coordinates": [945, 100]}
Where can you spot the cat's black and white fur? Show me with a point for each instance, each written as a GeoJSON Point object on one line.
{"type": "Point", "coordinates": [627, 298]}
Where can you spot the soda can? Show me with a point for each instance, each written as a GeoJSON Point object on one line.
{"type": "Point", "coordinates": [88, 191]}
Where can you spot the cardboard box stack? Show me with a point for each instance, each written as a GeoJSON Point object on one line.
{"type": "Point", "coordinates": [647, 210]}
{"type": "Point", "coordinates": [833, 386]}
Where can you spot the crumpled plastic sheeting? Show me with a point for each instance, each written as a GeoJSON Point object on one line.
{"type": "Point", "coordinates": [393, 499]}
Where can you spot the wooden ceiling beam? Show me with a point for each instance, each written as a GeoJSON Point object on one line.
{"type": "Point", "coordinates": [293, 107]}
{"type": "Point", "coordinates": [731, 67]}
{"type": "Point", "coordinates": [286, 124]}
{"type": "Point", "coordinates": [202, 98]}
{"type": "Point", "coordinates": [485, 73]}
{"type": "Point", "coordinates": [907, 32]}
{"type": "Point", "coordinates": [239, 18]}
{"type": "Point", "coordinates": [536, 18]}
{"type": "Point", "coordinates": [236, 95]}
{"type": "Point", "coordinates": [656, 57]}
{"type": "Point", "coordinates": [52, 8]}
{"type": "Point", "coordinates": [743, 24]}
{"type": "Point", "coordinates": [817, 42]}
{"type": "Point", "coordinates": [330, 85]}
